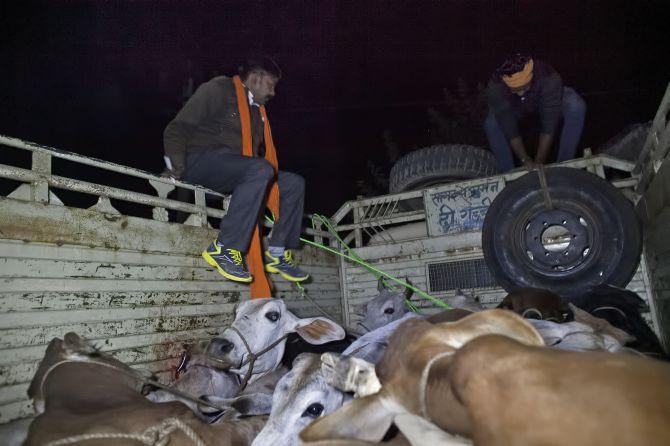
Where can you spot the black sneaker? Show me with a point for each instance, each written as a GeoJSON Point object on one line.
{"type": "Point", "coordinates": [285, 266]}
{"type": "Point", "coordinates": [228, 262]}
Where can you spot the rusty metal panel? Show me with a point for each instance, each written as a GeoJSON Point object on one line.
{"type": "Point", "coordinates": [136, 287]}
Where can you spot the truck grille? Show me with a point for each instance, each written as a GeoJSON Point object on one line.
{"type": "Point", "coordinates": [464, 274]}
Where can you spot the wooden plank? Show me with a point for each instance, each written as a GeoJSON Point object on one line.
{"type": "Point", "coordinates": [41, 335]}
{"type": "Point", "coordinates": [17, 373]}
{"type": "Point", "coordinates": [15, 356]}
{"type": "Point", "coordinates": [17, 392]}
{"type": "Point", "coordinates": [151, 353]}
{"type": "Point", "coordinates": [48, 318]}
{"type": "Point", "coordinates": [39, 300]}
{"type": "Point", "coordinates": [444, 244]}
{"type": "Point", "coordinates": [45, 300]}
{"type": "Point", "coordinates": [20, 220]}
{"type": "Point", "coordinates": [325, 282]}
{"type": "Point", "coordinates": [16, 410]}
{"type": "Point", "coordinates": [308, 255]}
{"type": "Point", "coordinates": [64, 270]}
{"type": "Point", "coordinates": [127, 285]}
{"type": "Point", "coordinates": [49, 251]}
{"type": "Point", "coordinates": [411, 269]}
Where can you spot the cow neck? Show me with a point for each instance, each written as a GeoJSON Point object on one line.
{"type": "Point", "coordinates": [131, 373]}
{"type": "Point", "coordinates": [423, 382]}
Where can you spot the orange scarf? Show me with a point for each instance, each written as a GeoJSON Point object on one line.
{"type": "Point", "coordinates": [261, 286]}
{"type": "Point", "coordinates": [520, 78]}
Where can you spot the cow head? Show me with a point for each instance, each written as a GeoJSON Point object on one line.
{"type": "Point", "coordinates": [387, 307]}
{"type": "Point", "coordinates": [199, 376]}
{"type": "Point", "coordinates": [575, 336]}
{"type": "Point", "coordinates": [258, 324]}
{"type": "Point", "coordinates": [465, 301]}
{"type": "Point", "coordinates": [404, 372]}
{"type": "Point", "coordinates": [370, 347]}
{"type": "Point", "coordinates": [301, 396]}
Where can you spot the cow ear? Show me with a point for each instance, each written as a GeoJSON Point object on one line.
{"type": "Point", "coordinates": [600, 325]}
{"type": "Point", "coordinates": [501, 322]}
{"type": "Point", "coordinates": [244, 405]}
{"type": "Point", "coordinates": [318, 330]}
{"type": "Point", "coordinates": [366, 418]}
{"type": "Point", "coordinates": [408, 291]}
{"type": "Point", "coordinates": [253, 404]}
{"type": "Point", "coordinates": [380, 284]}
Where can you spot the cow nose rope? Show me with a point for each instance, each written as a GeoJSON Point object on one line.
{"type": "Point", "coordinates": [251, 356]}
{"type": "Point", "coordinates": [156, 435]}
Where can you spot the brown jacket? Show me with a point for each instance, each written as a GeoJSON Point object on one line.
{"type": "Point", "coordinates": [210, 119]}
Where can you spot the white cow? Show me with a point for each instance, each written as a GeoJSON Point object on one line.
{"type": "Point", "coordinates": [254, 344]}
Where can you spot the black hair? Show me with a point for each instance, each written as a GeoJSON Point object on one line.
{"type": "Point", "coordinates": [513, 64]}
{"type": "Point", "coordinates": [260, 62]}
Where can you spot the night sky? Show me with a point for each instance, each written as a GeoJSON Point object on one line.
{"type": "Point", "coordinates": [104, 78]}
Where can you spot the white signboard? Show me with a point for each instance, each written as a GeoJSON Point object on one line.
{"type": "Point", "coordinates": [461, 206]}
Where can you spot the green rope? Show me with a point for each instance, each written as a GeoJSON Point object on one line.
{"type": "Point", "coordinates": [301, 289]}
{"type": "Point", "coordinates": [331, 228]}
{"type": "Point", "coordinates": [352, 256]}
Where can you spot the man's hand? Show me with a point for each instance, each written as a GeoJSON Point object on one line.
{"type": "Point", "coordinates": [171, 170]}
{"type": "Point", "coordinates": [528, 163]}
{"type": "Point", "coordinates": [170, 174]}
{"type": "Point", "coordinates": [520, 151]}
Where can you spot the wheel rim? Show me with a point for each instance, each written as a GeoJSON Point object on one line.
{"type": "Point", "coordinates": [558, 242]}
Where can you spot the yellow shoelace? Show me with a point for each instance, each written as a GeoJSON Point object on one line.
{"type": "Point", "coordinates": [235, 255]}
{"type": "Point", "coordinates": [288, 256]}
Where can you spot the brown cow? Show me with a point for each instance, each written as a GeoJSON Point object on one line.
{"type": "Point", "coordinates": [413, 349]}
{"type": "Point", "coordinates": [535, 303]}
{"type": "Point", "coordinates": [507, 390]}
{"type": "Point", "coordinates": [82, 391]}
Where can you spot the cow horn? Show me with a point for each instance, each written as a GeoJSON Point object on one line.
{"type": "Point", "coordinates": [408, 291]}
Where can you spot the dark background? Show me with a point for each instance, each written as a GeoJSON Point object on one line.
{"type": "Point", "coordinates": [104, 78]}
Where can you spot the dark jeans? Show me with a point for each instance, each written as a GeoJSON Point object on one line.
{"type": "Point", "coordinates": [574, 110]}
{"type": "Point", "coordinates": [247, 179]}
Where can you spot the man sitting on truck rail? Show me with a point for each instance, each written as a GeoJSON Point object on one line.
{"type": "Point", "coordinates": [221, 139]}
{"type": "Point", "coordinates": [521, 87]}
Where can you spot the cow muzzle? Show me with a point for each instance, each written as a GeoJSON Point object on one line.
{"type": "Point", "coordinates": [220, 350]}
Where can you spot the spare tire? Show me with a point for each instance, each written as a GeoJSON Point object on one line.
{"type": "Point", "coordinates": [591, 235]}
{"type": "Point", "coordinates": [440, 164]}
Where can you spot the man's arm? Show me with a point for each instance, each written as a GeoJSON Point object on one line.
{"type": "Point", "coordinates": [502, 110]}
{"type": "Point", "coordinates": [520, 151]}
{"type": "Point", "coordinates": [550, 103]}
{"type": "Point", "coordinates": [543, 148]}
{"type": "Point", "coordinates": [202, 104]}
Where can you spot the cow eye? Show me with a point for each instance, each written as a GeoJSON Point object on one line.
{"type": "Point", "coordinates": [272, 315]}
{"type": "Point", "coordinates": [313, 411]}
{"type": "Point", "coordinates": [389, 310]}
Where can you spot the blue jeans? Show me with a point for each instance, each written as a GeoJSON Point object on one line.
{"type": "Point", "coordinates": [574, 110]}
{"type": "Point", "coordinates": [247, 179]}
